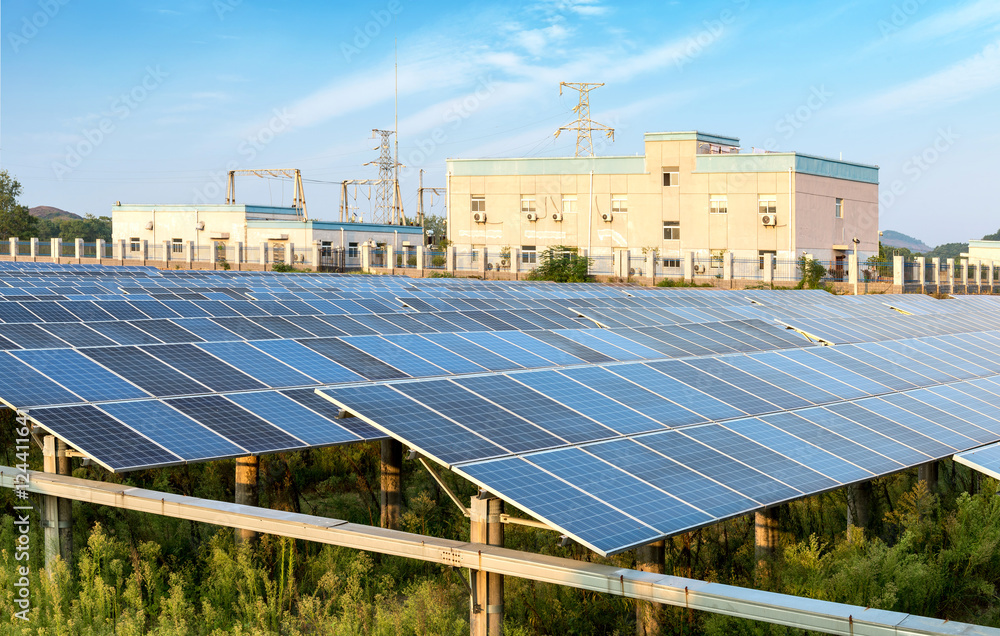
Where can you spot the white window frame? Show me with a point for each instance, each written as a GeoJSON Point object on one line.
{"type": "Point", "coordinates": [134, 244]}
{"type": "Point", "coordinates": [619, 204]}
{"type": "Point", "coordinates": [529, 254]}
{"type": "Point", "coordinates": [478, 203]}
{"type": "Point", "coordinates": [527, 205]}
{"type": "Point", "coordinates": [767, 204]}
{"type": "Point", "coordinates": [673, 178]}
{"type": "Point", "coordinates": [718, 204]}
{"type": "Point", "coordinates": [838, 208]}
{"type": "Point", "coordinates": [569, 203]}
{"type": "Point", "coordinates": [177, 246]}
{"type": "Point", "coordinates": [674, 228]}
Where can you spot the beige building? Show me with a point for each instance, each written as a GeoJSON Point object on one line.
{"type": "Point", "coordinates": [248, 233]}
{"type": "Point", "coordinates": [690, 192]}
{"type": "Point", "coordinates": [982, 251]}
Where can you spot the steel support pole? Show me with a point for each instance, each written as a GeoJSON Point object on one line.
{"type": "Point", "coordinates": [486, 606]}
{"type": "Point", "coordinates": [392, 483]}
{"type": "Point", "coordinates": [649, 617]}
{"type": "Point", "coordinates": [246, 491]}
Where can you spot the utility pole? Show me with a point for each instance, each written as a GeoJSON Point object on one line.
{"type": "Point", "coordinates": [584, 125]}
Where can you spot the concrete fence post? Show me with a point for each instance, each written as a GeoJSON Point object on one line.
{"type": "Point", "coordinates": [768, 268]}
{"type": "Point", "coordinates": [240, 256]}
{"type": "Point", "coordinates": [852, 271]}
{"type": "Point", "coordinates": [13, 248]}
{"type": "Point", "coordinates": [727, 266]}
{"type": "Point", "coordinates": [921, 272]}
{"type": "Point", "coordinates": [651, 266]}
{"type": "Point", "coordinates": [450, 253]}
{"type": "Point", "coordinates": [34, 248]}
{"type": "Point", "coordinates": [689, 266]}
{"type": "Point", "coordinates": [390, 257]}
{"type": "Point", "coordinates": [950, 264]}
{"type": "Point", "coordinates": [56, 249]}
{"type": "Point", "coordinates": [166, 252]}
{"type": "Point", "coordinates": [421, 258]}
{"type": "Point", "coordinates": [898, 271]}
{"type": "Point", "coordinates": [315, 255]}
{"type": "Point", "coordinates": [78, 248]}
{"type": "Point", "coordinates": [100, 250]}
{"type": "Point", "coordinates": [936, 264]}
{"type": "Point", "coordinates": [263, 253]}
{"type": "Point", "coordinates": [366, 256]}
{"type": "Point", "coordinates": [483, 257]}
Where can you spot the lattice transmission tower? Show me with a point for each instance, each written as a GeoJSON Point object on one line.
{"type": "Point", "coordinates": [387, 209]}
{"type": "Point", "coordinates": [584, 124]}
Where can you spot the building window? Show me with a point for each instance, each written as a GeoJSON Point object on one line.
{"type": "Point", "coordinates": [529, 254]}
{"type": "Point", "coordinates": [718, 257]}
{"type": "Point", "coordinates": [717, 204]}
{"type": "Point", "coordinates": [839, 212]}
{"type": "Point", "coordinates": [670, 176]}
{"type": "Point", "coordinates": [568, 203]}
{"type": "Point", "coordinates": [177, 246]}
{"type": "Point", "coordinates": [478, 203]}
{"type": "Point", "coordinates": [762, 253]}
{"type": "Point", "coordinates": [527, 205]}
{"type": "Point", "coordinates": [671, 263]}
{"type": "Point", "coordinates": [352, 250]}
{"type": "Point", "coordinates": [767, 204]}
{"type": "Point", "coordinates": [134, 245]}
{"type": "Point", "coordinates": [671, 230]}
{"type": "Point", "coordinates": [619, 203]}
{"type": "Point", "coordinates": [326, 248]}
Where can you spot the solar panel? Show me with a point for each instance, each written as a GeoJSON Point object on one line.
{"type": "Point", "coordinates": [235, 423]}
{"type": "Point", "coordinates": [258, 364]}
{"type": "Point", "coordinates": [145, 371]}
{"type": "Point", "coordinates": [81, 375]}
{"type": "Point", "coordinates": [172, 430]}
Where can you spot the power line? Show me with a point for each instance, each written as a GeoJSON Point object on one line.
{"type": "Point", "coordinates": [584, 125]}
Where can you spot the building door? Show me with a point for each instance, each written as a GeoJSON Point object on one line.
{"type": "Point", "coordinates": [839, 267]}
{"type": "Point", "coordinates": [219, 251]}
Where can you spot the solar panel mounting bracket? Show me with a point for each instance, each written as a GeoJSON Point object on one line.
{"type": "Point", "coordinates": [440, 482]}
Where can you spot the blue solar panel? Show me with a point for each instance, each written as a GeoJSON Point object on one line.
{"type": "Point", "coordinates": [24, 387]}
{"type": "Point", "coordinates": [559, 503]}
{"type": "Point", "coordinates": [104, 438]}
{"type": "Point", "coordinates": [81, 375]}
{"type": "Point", "coordinates": [304, 359]}
{"type": "Point", "coordinates": [254, 362]}
{"type": "Point", "coordinates": [394, 355]}
{"type": "Point", "coordinates": [236, 424]}
{"type": "Point", "coordinates": [172, 429]}
{"type": "Point", "coordinates": [294, 418]}
{"type": "Point", "coordinates": [637, 397]}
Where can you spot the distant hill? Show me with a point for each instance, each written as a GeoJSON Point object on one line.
{"type": "Point", "coordinates": [898, 239]}
{"type": "Point", "coordinates": [49, 212]}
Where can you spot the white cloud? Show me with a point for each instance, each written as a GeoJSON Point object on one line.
{"type": "Point", "coordinates": [967, 79]}
{"type": "Point", "coordinates": [538, 41]}
{"type": "Point", "coordinates": [972, 16]}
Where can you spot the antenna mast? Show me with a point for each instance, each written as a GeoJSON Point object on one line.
{"type": "Point", "coordinates": [583, 125]}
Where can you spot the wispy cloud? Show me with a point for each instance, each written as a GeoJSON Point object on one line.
{"type": "Point", "coordinates": [969, 78]}
{"type": "Point", "coordinates": [970, 17]}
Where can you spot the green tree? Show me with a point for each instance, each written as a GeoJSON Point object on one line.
{"type": "Point", "coordinates": [561, 264]}
{"type": "Point", "coordinates": [436, 230]}
{"type": "Point", "coordinates": [14, 217]}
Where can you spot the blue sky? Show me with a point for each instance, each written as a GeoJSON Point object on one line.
{"type": "Point", "coordinates": [152, 103]}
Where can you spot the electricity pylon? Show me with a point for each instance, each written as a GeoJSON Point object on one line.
{"type": "Point", "coordinates": [584, 124]}
{"type": "Point", "coordinates": [387, 208]}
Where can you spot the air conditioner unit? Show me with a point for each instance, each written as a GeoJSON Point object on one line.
{"type": "Point", "coordinates": [149, 225]}
{"type": "Point", "coordinates": [699, 269]}
{"type": "Point", "coordinates": [768, 219]}
{"type": "Point", "coordinates": [531, 216]}
{"type": "Point", "coordinates": [200, 225]}
{"type": "Point", "coordinates": [631, 271]}
{"type": "Point", "coordinates": [557, 216]}
{"type": "Point", "coordinates": [606, 217]}
{"type": "Point", "coordinates": [479, 217]}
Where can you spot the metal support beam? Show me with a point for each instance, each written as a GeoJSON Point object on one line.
{"type": "Point", "coordinates": [392, 483]}
{"type": "Point", "coordinates": [486, 528]}
{"type": "Point", "coordinates": [440, 482]}
{"type": "Point", "coordinates": [246, 492]}
{"type": "Point", "coordinates": [649, 617]}
{"type": "Point", "coordinates": [779, 609]}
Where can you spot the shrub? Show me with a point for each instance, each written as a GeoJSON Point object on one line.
{"type": "Point", "coordinates": [562, 264]}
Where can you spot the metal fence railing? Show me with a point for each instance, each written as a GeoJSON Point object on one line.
{"type": "Point", "coordinates": [436, 259]}
{"type": "Point", "coordinates": [748, 268]}
{"type": "Point", "coordinates": [787, 271]}
{"type": "Point", "coordinates": [603, 264]}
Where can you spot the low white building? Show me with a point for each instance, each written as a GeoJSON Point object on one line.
{"type": "Point", "coordinates": [248, 233]}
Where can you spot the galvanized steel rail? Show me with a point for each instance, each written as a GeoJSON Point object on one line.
{"type": "Point", "coordinates": [781, 609]}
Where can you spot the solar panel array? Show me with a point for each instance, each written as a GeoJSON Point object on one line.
{"type": "Point", "coordinates": [618, 414]}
